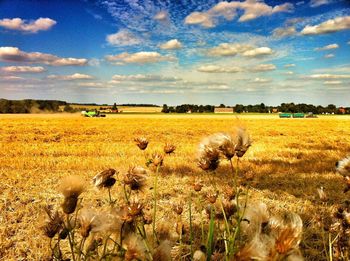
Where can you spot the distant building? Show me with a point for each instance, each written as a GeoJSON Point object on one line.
{"type": "Point", "coordinates": [223, 110]}
{"type": "Point", "coordinates": [274, 110]}
{"type": "Point", "coordinates": [342, 110]}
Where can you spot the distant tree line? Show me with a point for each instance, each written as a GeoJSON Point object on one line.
{"type": "Point", "coordinates": [259, 108]}
{"type": "Point", "coordinates": [29, 106]}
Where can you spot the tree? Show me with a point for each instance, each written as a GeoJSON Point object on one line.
{"type": "Point", "coordinates": [165, 108]}
{"type": "Point", "coordinates": [114, 107]}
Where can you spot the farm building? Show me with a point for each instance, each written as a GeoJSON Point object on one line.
{"type": "Point", "coordinates": [223, 110]}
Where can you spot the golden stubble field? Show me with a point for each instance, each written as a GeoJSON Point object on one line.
{"type": "Point", "coordinates": [288, 160]}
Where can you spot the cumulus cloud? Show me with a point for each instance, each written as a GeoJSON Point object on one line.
{"type": "Point", "coordinates": [328, 56]}
{"type": "Point", "coordinates": [326, 76]}
{"type": "Point", "coordinates": [252, 9]}
{"type": "Point", "coordinates": [288, 73]}
{"type": "Point", "coordinates": [171, 45]}
{"type": "Point", "coordinates": [41, 24]}
{"type": "Point", "coordinates": [263, 68]}
{"type": "Point", "coordinates": [327, 47]}
{"type": "Point", "coordinates": [261, 80]}
{"type": "Point", "coordinates": [332, 82]}
{"type": "Point", "coordinates": [289, 65]}
{"type": "Point", "coordinates": [140, 57]}
{"type": "Point", "coordinates": [316, 3]}
{"type": "Point", "coordinates": [75, 76]}
{"type": "Point", "coordinates": [91, 84]}
{"type": "Point", "coordinates": [123, 38]}
{"type": "Point", "coordinates": [329, 26]}
{"type": "Point", "coordinates": [229, 49]}
{"type": "Point", "coordinates": [218, 69]}
{"type": "Point", "coordinates": [142, 78]}
{"type": "Point", "coordinates": [161, 16]}
{"type": "Point", "coordinates": [257, 52]}
{"type": "Point", "coordinates": [23, 69]}
{"type": "Point", "coordinates": [13, 54]}
{"type": "Point", "coordinates": [281, 32]}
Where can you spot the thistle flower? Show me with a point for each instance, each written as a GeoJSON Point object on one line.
{"type": "Point", "coordinates": [225, 143]}
{"type": "Point", "coordinates": [105, 179]}
{"type": "Point", "coordinates": [135, 208]}
{"type": "Point", "coordinates": [197, 186]}
{"type": "Point", "coordinates": [255, 218]}
{"type": "Point", "coordinates": [135, 249]}
{"type": "Point", "coordinates": [286, 232]}
{"type": "Point", "coordinates": [169, 148]}
{"type": "Point", "coordinates": [343, 166]}
{"type": "Point", "coordinates": [253, 250]}
{"type": "Point", "coordinates": [141, 142]}
{"type": "Point", "coordinates": [157, 159]}
{"type": "Point", "coordinates": [53, 224]}
{"type": "Point", "coordinates": [211, 197]}
{"type": "Point", "coordinates": [71, 187]}
{"type": "Point", "coordinates": [135, 178]}
{"type": "Point", "coordinates": [243, 141]}
{"type": "Point", "coordinates": [178, 208]}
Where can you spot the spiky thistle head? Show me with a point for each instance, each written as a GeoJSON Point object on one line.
{"type": "Point", "coordinates": [71, 187]}
{"type": "Point", "coordinates": [286, 232]}
{"type": "Point", "coordinates": [135, 249]}
{"type": "Point", "coordinates": [343, 166]}
{"type": "Point", "coordinates": [243, 141]}
{"type": "Point", "coordinates": [224, 143]}
{"type": "Point", "coordinates": [141, 142]}
{"type": "Point", "coordinates": [135, 178]}
{"type": "Point", "coordinates": [105, 178]}
{"type": "Point", "coordinates": [53, 224]}
{"type": "Point", "coordinates": [208, 156]}
{"type": "Point", "coordinates": [169, 148]}
{"type": "Point", "coordinates": [157, 159]}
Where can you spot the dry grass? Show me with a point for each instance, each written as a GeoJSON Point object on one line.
{"type": "Point", "coordinates": [289, 160]}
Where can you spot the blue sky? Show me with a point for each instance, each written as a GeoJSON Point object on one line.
{"type": "Point", "coordinates": [174, 52]}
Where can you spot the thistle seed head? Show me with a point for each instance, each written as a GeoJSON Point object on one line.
{"type": "Point", "coordinates": [141, 142]}
{"type": "Point", "coordinates": [105, 179]}
{"type": "Point", "coordinates": [169, 148]}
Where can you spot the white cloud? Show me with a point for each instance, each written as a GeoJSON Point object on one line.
{"type": "Point", "coordinates": [41, 24]}
{"type": "Point", "coordinates": [75, 76]}
{"type": "Point", "coordinates": [329, 76]}
{"type": "Point", "coordinates": [23, 69]}
{"type": "Point", "coordinates": [327, 47]}
{"type": "Point", "coordinates": [94, 62]}
{"type": "Point", "coordinates": [263, 68]}
{"type": "Point", "coordinates": [252, 9]}
{"type": "Point", "coordinates": [13, 54]}
{"type": "Point", "coordinates": [281, 32]}
{"type": "Point", "coordinates": [316, 3]}
{"type": "Point", "coordinates": [171, 45]}
{"type": "Point", "coordinates": [161, 16]}
{"type": "Point", "coordinates": [140, 57]}
{"type": "Point", "coordinates": [329, 26]}
{"type": "Point", "coordinates": [328, 56]}
{"type": "Point", "coordinates": [218, 69]}
{"type": "Point", "coordinates": [332, 82]}
{"type": "Point", "coordinates": [91, 84]}
{"type": "Point", "coordinates": [261, 80]}
{"type": "Point", "coordinates": [258, 52]}
{"type": "Point", "coordinates": [289, 65]}
{"type": "Point", "coordinates": [142, 78]}
{"type": "Point", "coordinates": [288, 72]}
{"type": "Point", "coordinates": [229, 49]}
{"type": "Point", "coordinates": [122, 38]}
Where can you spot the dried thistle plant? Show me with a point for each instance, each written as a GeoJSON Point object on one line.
{"type": "Point", "coordinates": [243, 141]}
{"type": "Point", "coordinates": [71, 187]}
{"type": "Point", "coordinates": [343, 166]}
{"type": "Point", "coordinates": [105, 179]}
{"type": "Point", "coordinates": [141, 142]}
{"type": "Point", "coordinates": [53, 224]}
{"type": "Point", "coordinates": [135, 178]}
{"type": "Point", "coordinates": [169, 148]}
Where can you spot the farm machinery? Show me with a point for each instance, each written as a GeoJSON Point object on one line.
{"type": "Point", "coordinates": [92, 114]}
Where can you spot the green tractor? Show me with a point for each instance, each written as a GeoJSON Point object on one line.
{"type": "Point", "coordinates": [92, 114]}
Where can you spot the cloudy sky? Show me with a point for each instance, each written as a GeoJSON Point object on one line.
{"type": "Point", "coordinates": [174, 52]}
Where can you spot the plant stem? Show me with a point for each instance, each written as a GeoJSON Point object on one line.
{"type": "Point", "coordinates": [190, 213]}
{"type": "Point", "coordinates": [155, 205]}
{"type": "Point", "coordinates": [110, 196]}
{"type": "Point", "coordinates": [70, 239]}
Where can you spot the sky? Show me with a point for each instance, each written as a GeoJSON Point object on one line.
{"type": "Point", "coordinates": [176, 52]}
